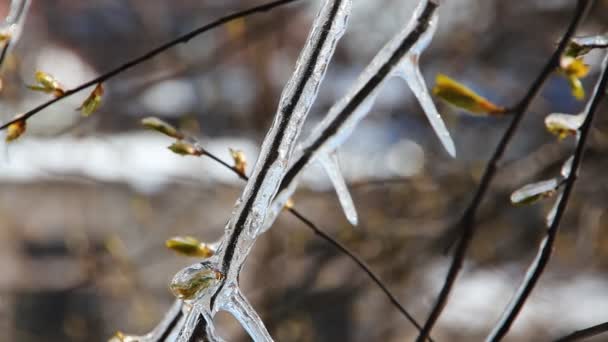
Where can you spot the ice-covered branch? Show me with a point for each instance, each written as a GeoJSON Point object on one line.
{"type": "Point", "coordinates": [399, 57]}
{"type": "Point", "coordinates": [164, 127]}
{"type": "Point", "coordinates": [213, 285]}
{"type": "Point", "coordinates": [171, 322]}
{"type": "Point", "coordinates": [11, 28]}
{"type": "Point", "coordinates": [546, 247]}
{"type": "Point", "coordinates": [465, 227]}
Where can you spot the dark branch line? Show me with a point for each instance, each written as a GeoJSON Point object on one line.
{"type": "Point", "coordinates": [150, 54]}
{"type": "Point", "coordinates": [466, 224]}
{"type": "Point", "coordinates": [585, 333]}
{"type": "Point", "coordinates": [546, 247]}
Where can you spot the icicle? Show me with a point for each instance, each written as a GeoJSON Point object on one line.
{"type": "Point", "coordinates": [331, 164]}
{"type": "Point", "coordinates": [198, 327]}
{"type": "Point", "coordinates": [343, 117]}
{"type": "Point", "coordinates": [240, 308]}
{"type": "Point", "coordinates": [409, 70]}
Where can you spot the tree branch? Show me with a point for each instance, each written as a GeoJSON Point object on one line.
{"type": "Point", "coordinates": [466, 224]}
{"type": "Point", "coordinates": [585, 333]}
{"type": "Point", "coordinates": [150, 54]}
{"type": "Point", "coordinates": [546, 247]}
{"type": "Point", "coordinates": [342, 248]}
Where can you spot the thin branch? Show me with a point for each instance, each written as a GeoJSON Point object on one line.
{"type": "Point", "coordinates": [347, 112]}
{"type": "Point", "coordinates": [322, 234]}
{"type": "Point", "coordinates": [152, 53]}
{"type": "Point", "coordinates": [248, 218]}
{"type": "Point", "coordinates": [467, 221]}
{"type": "Point", "coordinates": [584, 333]}
{"type": "Point", "coordinates": [546, 247]}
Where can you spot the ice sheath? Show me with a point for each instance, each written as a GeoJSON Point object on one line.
{"type": "Point", "coordinates": [251, 209]}
{"type": "Point", "coordinates": [398, 58]}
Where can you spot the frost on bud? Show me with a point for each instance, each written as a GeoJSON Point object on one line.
{"type": "Point", "coordinates": [240, 162]}
{"type": "Point", "coordinates": [16, 129]}
{"type": "Point", "coordinates": [563, 125]}
{"type": "Point", "coordinates": [47, 84]}
{"type": "Point", "coordinates": [192, 280]}
{"type": "Point", "coordinates": [186, 148]}
{"type": "Point", "coordinates": [535, 191]}
{"type": "Point", "coordinates": [162, 126]}
{"type": "Point", "coordinates": [189, 246]}
{"type": "Point", "coordinates": [573, 68]}
{"type": "Point", "coordinates": [462, 97]}
{"type": "Point", "coordinates": [90, 105]}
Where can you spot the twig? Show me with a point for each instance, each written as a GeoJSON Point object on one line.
{"type": "Point", "coordinates": [584, 333]}
{"type": "Point", "coordinates": [322, 234]}
{"type": "Point", "coordinates": [467, 221]}
{"type": "Point", "coordinates": [546, 247]}
{"type": "Point", "coordinates": [152, 53]}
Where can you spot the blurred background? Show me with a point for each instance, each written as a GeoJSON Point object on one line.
{"type": "Point", "coordinates": [87, 203]}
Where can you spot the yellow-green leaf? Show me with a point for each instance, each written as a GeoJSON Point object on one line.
{"type": "Point", "coordinates": [47, 84]}
{"type": "Point", "coordinates": [576, 87]}
{"type": "Point", "coordinates": [92, 102]}
{"type": "Point", "coordinates": [189, 246]}
{"type": "Point", "coordinates": [573, 66]}
{"type": "Point", "coordinates": [240, 161]}
{"type": "Point", "coordinates": [16, 129]}
{"type": "Point", "coordinates": [462, 97]}
{"type": "Point", "coordinates": [574, 69]}
{"type": "Point", "coordinates": [186, 148]}
{"type": "Point", "coordinates": [162, 126]}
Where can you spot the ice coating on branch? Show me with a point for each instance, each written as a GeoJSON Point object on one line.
{"type": "Point", "coordinates": [399, 54]}
{"type": "Point", "coordinates": [240, 308]}
{"type": "Point", "coordinates": [13, 23]}
{"type": "Point", "coordinates": [551, 215]}
{"type": "Point", "coordinates": [251, 209]}
{"type": "Point", "coordinates": [175, 316]}
{"type": "Point", "coordinates": [198, 326]}
{"type": "Point", "coordinates": [331, 165]}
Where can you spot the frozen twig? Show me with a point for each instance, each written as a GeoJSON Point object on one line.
{"type": "Point", "coordinates": [221, 292]}
{"type": "Point", "coordinates": [465, 227]}
{"type": "Point", "coordinates": [400, 53]}
{"type": "Point", "coordinates": [323, 235]}
{"type": "Point", "coordinates": [11, 28]}
{"type": "Point", "coordinates": [546, 247]}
